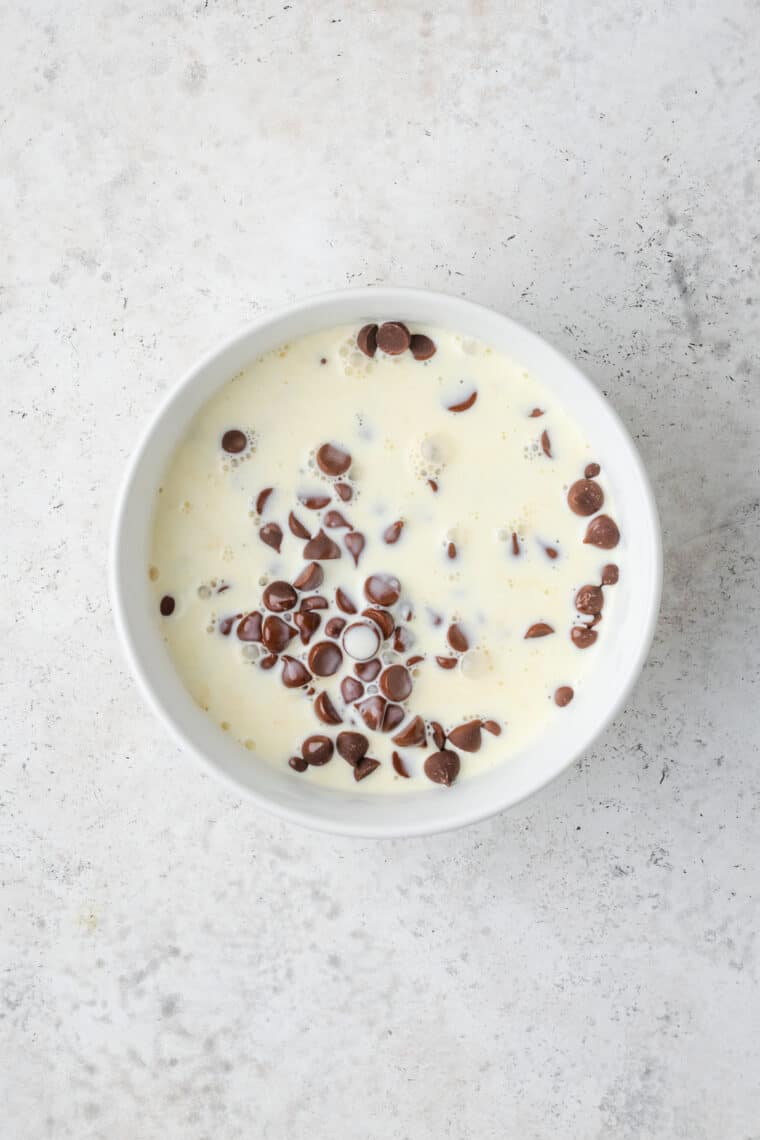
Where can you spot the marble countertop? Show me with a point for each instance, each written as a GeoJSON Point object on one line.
{"type": "Point", "coordinates": [174, 963]}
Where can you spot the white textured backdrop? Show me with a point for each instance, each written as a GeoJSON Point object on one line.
{"type": "Point", "coordinates": [175, 964]}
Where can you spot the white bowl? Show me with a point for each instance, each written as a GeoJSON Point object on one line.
{"type": "Point", "coordinates": [431, 809]}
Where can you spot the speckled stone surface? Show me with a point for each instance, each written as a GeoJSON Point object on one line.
{"type": "Point", "coordinates": [176, 964]}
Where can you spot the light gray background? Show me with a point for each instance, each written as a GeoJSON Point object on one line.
{"type": "Point", "coordinates": [176, 964]}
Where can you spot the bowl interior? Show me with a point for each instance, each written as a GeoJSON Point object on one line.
{"type": "Point", "coordinates": [620, 653]}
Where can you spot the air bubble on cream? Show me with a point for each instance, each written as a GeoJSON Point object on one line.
{"type": "Point", "coordinates": [361, 641]}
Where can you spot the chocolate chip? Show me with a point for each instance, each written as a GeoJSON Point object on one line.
{"type": "Point", "coordinates": [422, 346]}
{"type": "Point", "coordinates": [326, 710]}
{"type": "Point", "coordinates": [271, 534]}
{"type": "Point", "coordinates": [298, 763]}
{"type": "Point", "coordinates": [325, 658]}
{"type": "Point", "coordinates": [314, 602]}
{"type": "Point", "coordinates": [546, 444]}
{"type": "Point", "coordinates": [261, 499]}
{"type": "Point", "coordinates": [393, 337]}
{"type": "Point", "coordinates": [415, 660]}
{"type": "Point", "coordinates": [591, 472]}
{"type": "Point", "coordinates": [333, 460]}
{"type": "Point", "coordinates": [234, 441]}
{"type": "Point", "coordinates": [294, 673]}
{"type": "Point", "coordinates": [321, 547]}
{"type": "Point", "coordinates": [447, 662]}
{"type": "Point", "coordinates": [582, 636]}
{"type": "Point", "coordinates": [539, 629]}
{"type": "Point", "coordinates": [226, 624]}
{"type": "Point", "coordinates": [365, 768]}
{"type": "Point", "coordinates": [361, 640]}
{"type": "Point", "coordinates": [382, 589]}
{"type": "Point", "coordinates": [297, 528]}
{"type": "Point", "coordinates": [492, 727]}
{"type": "Point", "coordinates": [354, 543]}
{"type": "Point", "coordinates": [367, 670]}
{"type": "Point", "coordinates": [515, 543]}
{"type": "Point", "coordinates": [166, 605]}
{"type": "Point", "coordinates": [352, 746]}
{"type": "Point", "coordinates": [442, 767]}
{"type": "Point", "coordinates": [334, 627]}
{"type": "Point", "coordinates": [399, 767]}
{"type": "Point", "coordinates": [536, 413]}
{"type": "Point", "coordinates": [307, 625]}
{"type": "Point", "coordinates": [335, 519]}
{"type": "Point", "coordinates": [466, 736]}
{"type": "Point", "coordinates": [551, 551]}
{"type": "Point", "coordinates": [412, 735]}
{"type": "Point", "coordinates": [464, 405]}
{"type": "Point", "coordinates": [343, 602]}
{"type": "Point", "coordinates": [382, 619]}
{"type": "Point", "coordinates": [439, 736]}
{"type": "Point", "coordinates": [451, 550]}
{"type": "Point", "coordinates": [585, 497]}
{"type": "Point", "coordinates": [602, 532]}
{"type": "Point", "coordinates": [317, 749]}
{"type": "Point", "coordinates": [372, 711]}
{"type": "Point", "coordinates": [395, 683]}
{"type": "Point", "coordinates": [432, 485]}
{"type": "Point", "coordinates": [351, 690]}
{"type": "Point", "coordinates": [392, 533]}
{"type": "Point", "coordinates": [402, 639]}
{"type": "Point", "coordinates": [457, 639]}
{"type": "Point", "coordinates": [394, 715]}
{"type": "Point", "coordinates": [269, 661]}
{"type": "Point", "coordinates": [279, 596]}
{"type": "Point", "coordinates": [589, 600]}
{"type": "Point", "coordinates": [563, 696]}
{"type": "Point", "coordinates": [610, 574]}
{"type": "Point", "coordinates": [310, 578]}
{"type": "Point", "coordinates": [275, 633]}
{"type": "Point", "coordinates": [366, 340]}
{"type": "Point", "coordinates": [314, 502]}
{"type": "Point", "coordinates": [345, 492]}
{"type": "Point", "coordinates": [223, 588]}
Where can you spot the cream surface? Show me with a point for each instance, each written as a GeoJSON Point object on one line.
{"type": "Point", "coordinates": [493, 479]}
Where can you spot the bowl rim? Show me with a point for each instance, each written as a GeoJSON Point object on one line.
{"type": "Point", "coordinates": [382, 296]}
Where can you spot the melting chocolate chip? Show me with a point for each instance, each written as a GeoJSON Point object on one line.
{"type": "Point", "coordinates": [399, 767]}
{"type": "Point", "coordinates": [413, 735]}
{"type": "Point", "coordinates": [610, 574]}
{"type": "Point", "coordinates": [432, 485]}
{"type": "Point", "coordinates": [279, 596]}
{"type": "Point", "coordinates": [492, 727]}
{"type": "Point", "coordinates": [275, 633]}
{"type": "Point", "coordinates": [307, 625]}
{"type": "Point", "coordinates": [466, 736]}
{"type": "Point", "coordinates": [321, 547]}
{"type": "Point", "coordinates": [334, 627]}
{"type": "Point", "coordinates": [325, 658]}
{"type": "Point", "coordinates": [294, 673]}
{"type": "Point", "coordinates": [515, 544]}
{"type": "Point", "coordinates": [392, 533]}
{"type": "Point", "coordinates": [582, 636]}
{"type": "Point", "coordinates": [591, 472]}
{"type": "Point", "coordinates": [402, 639]}
{"type": "Point", "coordinates": [451, 550]}
{"type": "Point", "coordinates": [297, 528]}
{"type": "Point", "coordinates": [250, 627]}
{"type": "Point", "coordinates": [345, 492]}
{"type": "Point", "coordinates": [261, 499]}
{"type": "Point", "coordinates": [333, 460]}
{"type": "Point", "coordinates": [317, 749]}
{"type": "Point", "coordinates": [546, 444]}
{"type": "Point", "coordinates": [464, 405]}
{"type": "Point", "coordinates": [298, 764]}
{"type": "Point", "coordinates": [343, 602]}
{"type": "Point", "coordinates": [422, 346]}
{"type": "Point", "coordinates": [314, 602]}
{"type": "Point", "coordinates": [382, 619]}
{"type": "Point", "coordinates": [447, 662]}
{"type": "Point", "coordinates": [352, 746]}
{"type": "Point", "coordinates": [539, 629]}
{"type": "Point", "coordinates": [365, 768]}
{"type": "Point", "coordinates": [382, 589]}
{"type": "Point", "coordinates": [335, 519]}
{"type": "Point", "coordinates": [393, 337]}
{"type": "Point", "coordinates": [457, 639]}
{"type": "Point", "coordinates": [536, 413]}
{"type": "Point", "coordinates": [415, 660]}
{"type": "Point", "coordinates": [354, 543]}
{"type": "Point", "coordinates": [589, 600]}
{"type": "Point", "coordinates": [351, 690]}
{"type": "Point", "coordinates": [439, 736]}
{"type": "Point", "coordinates": [361, 641]}
{"type": "Point", "coordinates": [394, 715]}
{"type": "Point", "coordinates": [269, 661]}
{"type": "Point", "coordinates": [366, 340]}
{"type": "Point", "coordinates": [367, 670]}
{"type": "Point", "coordinates": [271, 534]}
{"type": "Point", "coordinates": [563, 696]}
{"type": "Point", "coordinates": [372, 711]}
{"type": "Point", "coordinates": [310, 578]}
{"type": "Point", "coordinates": [314, 502]}
{"type": "Point", "coordinates": [223, 588]}
{"type": "Point", "coordinates": [166, 605]}
{"type": "Point", "coordinates": [551, 551]}
{"type": "Point", "coordinates": [395, 683]}
{"type": "Point", "coordinates": [234, 441]}
{"type": "Point", "coordinates": [442, 767]}
{"type": "Point", "coordinates": [326, 710]}
{"type": "Point", "coordinates": [602, 532]}
{"type": "Point", "coordinates": [226, 624]}
{"type": "Point", "coordinates": [585, 497]}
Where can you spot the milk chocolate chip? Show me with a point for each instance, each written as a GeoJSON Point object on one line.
{"type": "Point", "coordinates": [234, 441]}
{"type": "Point", "coordinates": [367, 670]}
{"type": "Point", "coordinates": [352, 746]}
{"type": "Point", "coordinates": [585, 497]}
{"type": "Point", "coordinates": [592, 470]}
{"type": "Point", "coordinates": [345, 492]}
{"type": "Point", "coordinates": [382, 619]}
{"type": "Point", "coordinates": [226, 624]}
{"type": "Point", "coordinates": [563, 696]}
{"type": "Point", "coordinates": [395, 683]}
{"type": "Point", "coordinates": [610, 574]}
{"type": "Point", "coordinates": [536, 413]}
{"type": "Point", "coordinates": [314, 502]}
{"type": "Point", "coordinates": [314, 602]}
{"type": "Point", "coordinates": [464, 405]}
{"type": "Point", "coordinates": [589, 600]}
{"type": "Point", "coordinates": [372, 711]}
{"type": "Point", "coordinates": [442, 768]}
{"type": "Point", "coordinates": [399, 767]}
{"type": "Point", "coordinates": [393, 337]}
{"type": "Point", "coordinates": [325, 658]}
{"type": "Point", "coordinates": [307, 625]}
{"type": "Point", "coordinates": [447, 662]}
{"type": "Point", "coordinates": [582, 636]}
{"type": "Point", "coordinates": [333, 460]}
{"type": "Point", "coordinates": [166, 605]}
{"type": "Point", "coordinates": [439, 736]}
{"type": "Point", "coordinates": [539, 629]}
{"type": "Point", "coordinates": [551, 552]}
{"type": "Point", "coordinates": [279, 596]}
{"type": "Point", "coordinates": [457, 639]}
{"type": "Point", "coordinates": [365, 768]}
{"type": "Point", "coordinates": [432, 485]}
{"type": "Point", "coordinates": [422, 346]}
{"type": "Point", "coordinates": [269, 661]}
{"type": "Point", "coordinates": [271, 534]}
{"type": "Point", "coordinates": [515, 543]}
{"type": "Point", "coordinates": [351, 690]}
{"type": "Point", "coordinates": [492, 727]}
{"type": "Point", "coordinates": [310, 578]}
{"type": "Point", "coordinates": [275, 633]}
{"type": "Point", "coordinates": [317, 749]}
{"type": "Point", "coordinates": [298, 764]}
{"type": "Point", "coordinates": [326, 710]}
{"type": "Point", "coordinates": [466, 736]}
{"type": "Point", "coordinates": [297, 528]}
{"type": "Point", "coordinates": [335, 519]}
{"type": "Point", "coordinates": [334, 627]}
{"type": "Point", "coordinates": [402, 639]}
{"type": "Point", "coordinates": [392, 533]}
{"type": "Point", "coordinates": [366, 340]}
{"type": "Point", "coordinates": [602, 532]}
{"type": "Point", "coordinates": [343, 602]}
{"type": "Point", "coordinates": [261, 499]}
{"type": "Point", "coordinates": [546, 444]}
{"type": "Point", "coordinates": [354, 543]}
{"type": "Point", "coordinates": [412, 735]}
{"type": "Point", "coordinates": [394, 715]}
{"type": "Point", "coordinates": [250, 627]}
{"type": "Point", "coordinates": [451, 550]}
{"type": "Point", "coordinates": [382, 589]}
{"type": "Point", "coordinates": [321, 547]}
{"type": "Point", "coordinates": [294, 673]}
